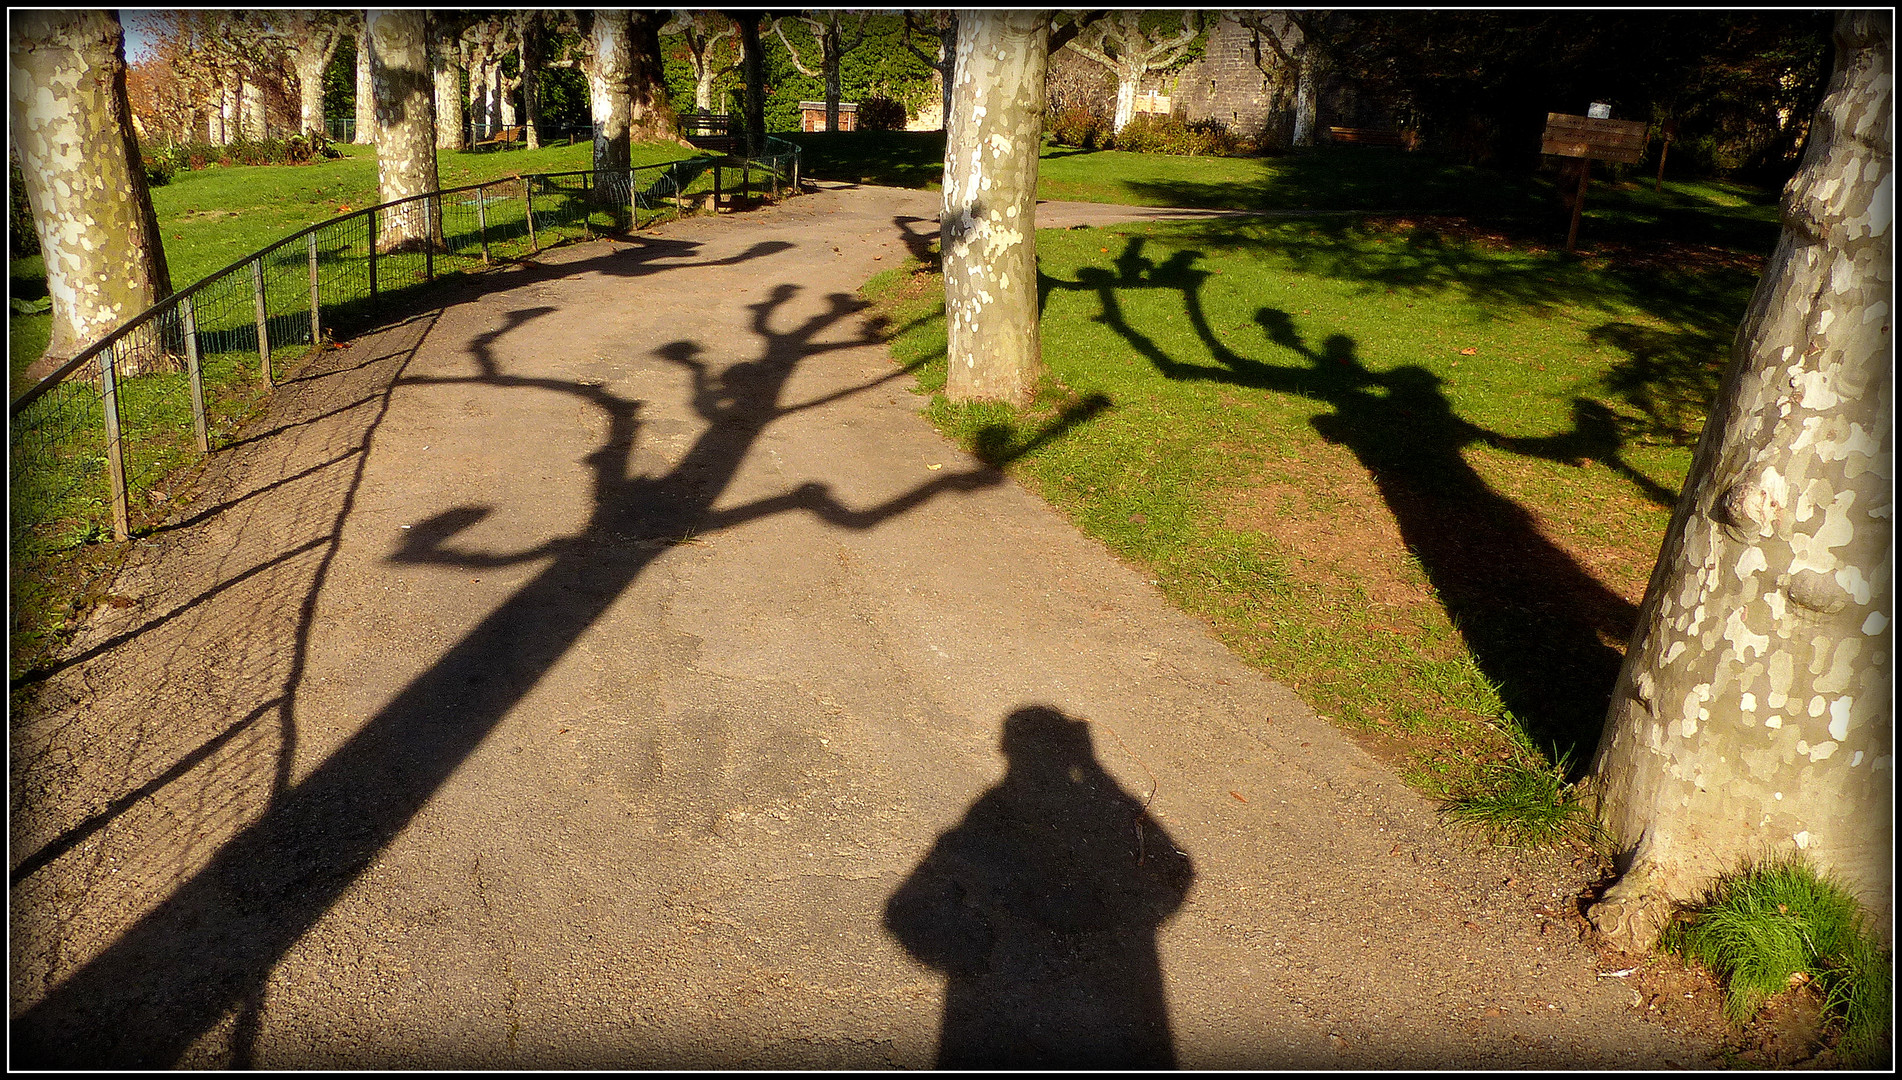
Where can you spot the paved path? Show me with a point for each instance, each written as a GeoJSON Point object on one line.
{"type": "Point", "coordinates": [613, 669]}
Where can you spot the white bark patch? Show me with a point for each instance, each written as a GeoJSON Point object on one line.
{"type": "Point", "coordinates": [1853, 583]}
{"type": "Point", "coordinates": [1774, 722]}
{"type": "Point", "coordinates": [1839, 717]}
{"type": "Point", "coordinates": [1821, 751]}
{"type": "Point", "coordinates": [1750, 562]}
{"type": "Point", "coordinates": [1875, 623]}
{"type": "Point", "coordinates": [1739, 634]}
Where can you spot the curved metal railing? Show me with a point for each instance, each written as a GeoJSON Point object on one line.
{"type": "Point", "coordinates": [94, 441]}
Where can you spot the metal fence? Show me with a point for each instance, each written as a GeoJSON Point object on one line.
{"type": "Point", "coordinates": [94, 442]}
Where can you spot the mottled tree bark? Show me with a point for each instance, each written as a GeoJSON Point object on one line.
{"type": "Point", "coordinates": [608, 89]}
{"type": "Point", "coordinates": [650, 116]}
{"type": "Point", "coordinates": [988, 226]}
{"type": "Point", "coordinates": [1752, 717]}
{"type": "Point", "coordinates": [84, 181]}
{"type": "Point", "coordinates": [446, 66]}
{"type": "Point", "coordinates": [312, 42]}
{"type": "Point", "coordinates": [753, 65]}
{"type": "Point", "coordinates": [406, 126]}
{"type": "Point", "coordinates": [529, 48]}
{"type": "Point", "coordinates": [944, 24]}
{"type": "Point", "coordinates": [366, 90]}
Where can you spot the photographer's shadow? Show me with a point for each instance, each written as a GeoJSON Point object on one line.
{"type": "Point", "coordinates": [1041, 907]}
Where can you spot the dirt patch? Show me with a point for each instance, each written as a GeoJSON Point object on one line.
{"type": "Point", "coordinates": [1323, 513]}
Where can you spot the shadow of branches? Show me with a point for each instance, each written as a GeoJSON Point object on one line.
{"type": "Point", "coordinates": [1535, 620]}
{"type": "Point", "coordinates": [208, 948]}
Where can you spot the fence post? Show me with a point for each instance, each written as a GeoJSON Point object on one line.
{"type": "Point", "coordinates": [633, 201]}
{"type": "Point", "coordinates": [528, 211]}
{"type": "Point", "coordinates": [187, 312]}
{"type": "Point", "coordinates": [482, 221]}
{"type": "Point", "coordinates": [264, 333]}
{"type": "Point", "coordinates": [716, 189]}
{"type": "Point", "coordinates": [115, 453]}
{"type": "Point", "coordinates": [429, 238]}
{"type": "Point", "coordinates": [746, 179]}
{"type": "Point", "coordinates": [372, 216]}
{"type": "Point", "coordinates": [775, 181]}
{"type": "Point", "coordinates": [795, 174]}
{"type": "Point", "coordinates": [316, 308]}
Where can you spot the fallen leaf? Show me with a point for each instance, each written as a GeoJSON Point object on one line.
{"type": "Point", "coordinates": [1469, 351]}
{"type": "Point", "coordinates": [1238, 796]}
{"type": "Point", "coordinates": [934, 467]}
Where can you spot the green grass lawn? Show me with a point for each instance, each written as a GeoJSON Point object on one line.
{"type": "Point", "coordinates": [1408, 458]}
{"type": "Point", "coordinates": [1415, 465]}
{"type": "Point", "coordinates": [214, 216]}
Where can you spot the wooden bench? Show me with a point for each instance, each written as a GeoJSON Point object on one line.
{"type": "Point", "coordinates": [504, 138]}
{"type": "Point", "coordinates": [1369, 137]}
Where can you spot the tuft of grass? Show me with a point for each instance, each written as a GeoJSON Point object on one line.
{"type": "Point", "coordinates": [1526, 802]}
{"type": "Point", "coordinates": [1779, 924]}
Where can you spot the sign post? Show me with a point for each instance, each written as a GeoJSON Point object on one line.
{"type": "Point", "coordinates": [1588, 137]}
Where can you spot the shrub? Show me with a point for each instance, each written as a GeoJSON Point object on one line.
{"type": "Point", "coordinates": [160, 163]}
{"type": "Point", "coordinates": [1080, 126]}
{"type": "Point", "coordinates": [22, 240]}
{"type": "Point", "coordinates": [880, 113]}
{"type": "Point", "coordinates": [1151, 134]}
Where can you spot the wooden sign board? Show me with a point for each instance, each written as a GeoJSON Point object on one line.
{"type": "Point", "coordinates": [1584, 137]}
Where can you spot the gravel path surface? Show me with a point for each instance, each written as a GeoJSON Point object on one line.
{"type": "Point", "coordinates": [612, 668]}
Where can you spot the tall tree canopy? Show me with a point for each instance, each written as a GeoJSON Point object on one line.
{"type": "Point", "coordinates": [1753, 714]}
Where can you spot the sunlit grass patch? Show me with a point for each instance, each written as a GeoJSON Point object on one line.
{"type": "Point", "coordinates": [1779, 925]}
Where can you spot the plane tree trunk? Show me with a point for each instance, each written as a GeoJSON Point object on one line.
{"type": "Point", "coordinates": [988, 226]}
{"type": "Point", "coordinates": [406, 126]}
{"type": "Point", "coordinates": [1752, 717]}
{"type": "Point", "coordinates": [84, 179]}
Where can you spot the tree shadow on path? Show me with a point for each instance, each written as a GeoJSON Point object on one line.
{"type": "Point", "coordinates": [1042, 906]}
{"type": "Point", "coordinates": [207, 949]}
{"type": "Point", "coordinates": [1536, 621]}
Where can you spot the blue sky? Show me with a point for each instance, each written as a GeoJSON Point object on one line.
{"type": "Point", "coordinates": [138, 41]}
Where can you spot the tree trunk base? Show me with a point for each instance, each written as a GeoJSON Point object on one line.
{"type": "Point", "coordinates": [1634, 912]}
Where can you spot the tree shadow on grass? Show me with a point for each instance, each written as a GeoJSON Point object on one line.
{"type": "Point", "coordinates": [206, 950]}
{"type": "Point", "coordinates": [1686, 260]}
{"type": "Point", "coordinates": [1536, 621]}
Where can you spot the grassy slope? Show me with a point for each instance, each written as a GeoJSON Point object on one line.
{"type": "Point", "coordinates": [1415, 465]}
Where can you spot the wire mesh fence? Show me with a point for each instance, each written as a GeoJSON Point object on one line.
{"type": "Point", "coordinates": [94, 444]}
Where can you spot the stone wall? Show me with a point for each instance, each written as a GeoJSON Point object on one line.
{"type": "Point", "coordinates": [1224, 84]}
